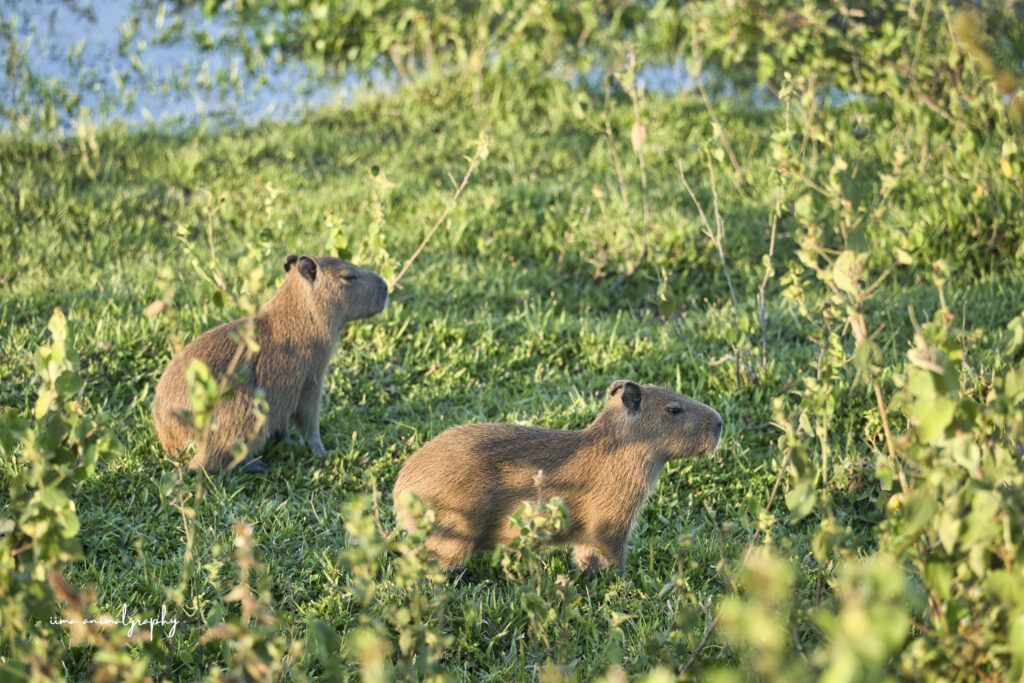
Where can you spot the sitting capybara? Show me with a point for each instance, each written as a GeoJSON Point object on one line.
{"type": "Point", "coordinates": [297, 331]}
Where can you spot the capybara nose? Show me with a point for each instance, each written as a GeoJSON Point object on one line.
{"type": "Point", "coordinates": [718, 427]}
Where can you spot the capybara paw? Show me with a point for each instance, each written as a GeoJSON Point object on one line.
{"type": "Point", "coordinates": [254, 467]}
{"type": "Point", "coordinates": [459, 574]}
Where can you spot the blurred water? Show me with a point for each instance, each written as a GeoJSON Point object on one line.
{"type": "Point", "coordinates": [664, 78]}
{"type": "Point", "coordinates": [139, 61]}
{"type": "Point", "coordinates": [149, 61]}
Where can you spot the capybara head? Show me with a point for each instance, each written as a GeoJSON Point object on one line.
{"type": "Point", "coordinates": [669, 424]}
{"type": "Point", "coordinates": [342, 291]}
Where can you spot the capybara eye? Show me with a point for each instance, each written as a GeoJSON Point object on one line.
{"type": "Point", "coordinates": [674, 410]}
{"type": "Point", "coordinates": [348, 277]}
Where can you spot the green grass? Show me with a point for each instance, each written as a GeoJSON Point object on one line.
{"type": "Point", "coordinates": [516, 311]}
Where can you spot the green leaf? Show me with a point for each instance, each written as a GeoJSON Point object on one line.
{"type": "Point", "coordinates": [1016, 643]}
{"type": "Point", "coordinates": [932, 418]}
{"type": "Point", "coordinates": [981, 520]}
{"type": "Point", "coordinates": [1005, 588]}
{"type": "Point", "coordinates": [44, 403]}
{"type": "Point", "coordinates": [35, 527]}
{"type": "Point", "coordinates": [919, 508]}
{"type": "Point", "coordinates": [939, 578]}
{"type": "Point", "coordinates": [858, 239]}
{"type": "Point", "coordinates": [948, 528]}
{"type": "Point", "coordinates": [53, 498]}
{"type": "Point", "coordinates": [12, 431]}
{"type": "Point", "coordinates": [829, 536]}
{"type": "Point", "coordinates": [58, 327]}
{"type": "Point", "coordinates": [68, 384]}
{"type": "Point", "coordinates": [867, 357]}
{"type": "Point", "coordinates": [694, 65]}
{"type": "Point", "coordinates": [846, 273]}
{"type": "Point", "coordinates": [765, 67]}
{"type": "Point", "coordinates": [70, 526]}
{"type": "Point", "coordinates": [1014, 345]}
{"type": "Point", "coordinates": [903, 257]}
{"type": "Point", "coordinates": [322, 640]}
{"type": "Point", "coordinates": [803, 207]}
{"type": "Point", "coordinates": [800, 500]}
{"type": "Point", "coordinates": [168, 480]}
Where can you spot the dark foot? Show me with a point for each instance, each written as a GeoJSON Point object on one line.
{"type": "Point", "coordinates": [459, 575]}
{"type": "Point", "coordinates": [254, 467]}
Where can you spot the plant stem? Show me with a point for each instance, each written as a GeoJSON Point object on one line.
{"type": "Point", "coordinates": [473, 163]}
{"type": "Point", "coordinates": [716, 238]}
{"type": "Point", "coordinates": [618, 170]}
{"type": "Point", "coordinates": [741, 182]}
{"type": "Point", "coordinates": [764, 281]}
{"type": "Point", "coordinates": [888, 437]}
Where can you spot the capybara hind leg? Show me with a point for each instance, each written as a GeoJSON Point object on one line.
{"type": "Point", "coordinates": [587, 558]}
{"type": "Point", "coordinates": [591, 559]}
{"type": "Point", "coordinates": [450, 552]}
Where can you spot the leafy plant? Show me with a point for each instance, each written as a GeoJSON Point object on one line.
{"type": "Point", "coordinates": [44, 459]}
{"type": "Point", "coordinates": [252, 641]}
{"type": "Point", "coordinates": [958, 525]}
{"type": "Point", "coordinates": [548, 603]}
{"type": "Point", "coordinates": [411, 630]}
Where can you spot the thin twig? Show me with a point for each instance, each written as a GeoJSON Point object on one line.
{"type": "Point", "coordinates": [473, 163]}
{"type": "Point", "coordinates": [917, 43]}
{"type": "Point", "coordinates": [764, 282]}
{"type": "Point", "coordinates": [808, 182]}
{"type": "Point", "coordinates": [718, 534]}
{"type": "Point", "coordinates": [638, 138]}
{"type": "Point", "coordinates": [209, 233]}
{"type": "Point", "coordinates": [856, 322]}
{"type": "Point", "coordinates": [376, 508]}
{"type": "Point", "coordinates": [720, 224]}
{"type": "Point", "coordinates": [716, 238]}
{"type": "Point", "coordinates": [618, 169]}
{"type": "Point", "coordinates": [721, 136]}
{"type": "Point", "coordinates": [768, 506]}
{"type": "Point", "coordinates": [888, 438]}
{"type": "Point", "coordinates": [811, 80]}
{"type": "Point", "coordinates": [708, 630]}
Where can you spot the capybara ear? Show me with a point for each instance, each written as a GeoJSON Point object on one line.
{"type": "Point", "coordinates": [307, 266]}
{"type": "Point", "coordinates": [617, 385]}
{"type": "Point", "coordinates": [631, 393]}
{"type": "Point", "coordinates": [632, 396]}
{"type": "Point", "coordinates": [289, 261]}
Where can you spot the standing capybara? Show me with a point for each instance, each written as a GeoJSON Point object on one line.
{"type": "Point", "coordinates": [296, 331]}
{"type": "Point", "coordinates": [475, 476]}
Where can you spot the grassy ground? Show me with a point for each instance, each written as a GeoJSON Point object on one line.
{"type": "Point", "coordinates": [518, 310]}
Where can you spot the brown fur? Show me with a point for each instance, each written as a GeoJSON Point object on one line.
{"type": "Point", "coordinates": [475, 476]}
{"type": "Point", "coordinates": [297, 331]}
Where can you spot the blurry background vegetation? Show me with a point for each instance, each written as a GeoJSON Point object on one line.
{"type": "Point", "coordinates": [808, 215]}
